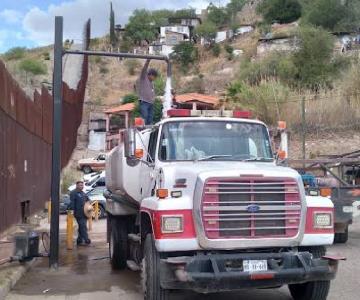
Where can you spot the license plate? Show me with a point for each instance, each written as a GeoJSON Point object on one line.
{"type": "Point", "coordinates": [348, 209]}
{"type": "Point", "coordinates": [255, 265]}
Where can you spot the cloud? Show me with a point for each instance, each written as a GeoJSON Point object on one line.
{"type": "Point", "coordinates": [11, 16]}
{"type": "Point", "coordinates": [39, 24]}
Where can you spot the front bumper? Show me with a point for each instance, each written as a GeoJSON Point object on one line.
{"type": "Point", "coordinates": [211, 272]}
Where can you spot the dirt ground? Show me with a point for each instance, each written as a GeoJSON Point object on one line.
{"type": "Point", "coordinates": [85, 274]}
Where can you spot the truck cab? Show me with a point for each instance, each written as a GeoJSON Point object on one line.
{"type": "Point", "coordinates": [198, 202]}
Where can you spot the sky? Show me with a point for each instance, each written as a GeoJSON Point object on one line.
{"type": "Point", "coordinates": [29, 23]}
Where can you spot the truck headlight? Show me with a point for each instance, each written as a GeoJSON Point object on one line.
{"type": "Point", "coordinates": [322, 220]}
{"type": "Point", "coordinates": [172, 224]}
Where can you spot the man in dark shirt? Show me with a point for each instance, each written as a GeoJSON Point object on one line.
{"type": "Point", "coordinates": [77, 201]}
{"type": "Point", "coordinates": [146, 93]}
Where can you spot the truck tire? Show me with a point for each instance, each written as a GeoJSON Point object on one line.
{"type": "Point", "coordinates": [314, 290]}
{"type": "Point", "coordinates": [342, 237]}
{"type": "Point", "coordinates": [118, 243]}
{"type": "Point", "coordinates": [86, 169]}
{"type": "Point", "coordinates": [151, 271]}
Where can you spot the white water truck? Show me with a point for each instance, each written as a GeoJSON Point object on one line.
{"type": "Point", "coordinates": [197, 201]}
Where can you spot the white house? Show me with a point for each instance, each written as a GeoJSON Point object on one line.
{"type": "Point", "coordinates": [165, 30]}
{"type": "Point", "coordinates": [161, 49]}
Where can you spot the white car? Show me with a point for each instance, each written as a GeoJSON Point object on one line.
{"type": "Point", "coordinates": [95, 181]}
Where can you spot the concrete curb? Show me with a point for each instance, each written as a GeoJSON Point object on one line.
{"type": "Point", "coordinates": [10, 275]}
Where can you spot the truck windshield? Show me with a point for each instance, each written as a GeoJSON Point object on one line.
{"type": "Point", "coordinates": [214, 140]}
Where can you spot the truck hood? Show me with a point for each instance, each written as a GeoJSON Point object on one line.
{"type": "Point", "coordinates": [205, 169]}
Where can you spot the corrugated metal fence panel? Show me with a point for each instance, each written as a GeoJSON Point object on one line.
{"type": "Point", "coordinates": [25, 143]}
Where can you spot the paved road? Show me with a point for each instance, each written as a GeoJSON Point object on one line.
{"type": "Point", "coordinates": [85, 274]}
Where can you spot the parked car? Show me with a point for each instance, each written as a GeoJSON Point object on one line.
{"type": "Point", "coordinates": [90, 176]}
{"type": "Point", "coordinates": [64, 203]}
{"type": "Point", "coordinates": [97, 195]}
{"type": "Point", "coordinates": [88, 165]}
{"type": "Point", "coordinates": [98, 180]}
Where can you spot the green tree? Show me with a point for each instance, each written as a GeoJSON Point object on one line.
{"type": "Point", "coordinates": [206, 30]}
{"type": "Point", "coordinates": [233, 7]}
{"type": "Point", "coordinates": [283, 11]}
{"type": "Point", "coordinates": [112, 34]}
{"type": "Point", "coordinates": [15, 53]}
{"type": "Point", "coordinates": [185, 54]}
{"type": "Point", "coordinates": [157, 110]}
{"type": "Point", "coordinates": [33, 66]}
{"type": "Point", "coordinates": [217, 15]}
{"type": "Point", "coordinates": [141, 27]}
{"type": "Point", "coordinates": [334, 15]}
{"type": "Point", "coordinates": [161, 17]}
{"type": "Point", "coordinates": [185, 13]}
{"type": "Point", "coordinates": [129, 98]}
{"type": "Point", "coordinates": [314, 60]}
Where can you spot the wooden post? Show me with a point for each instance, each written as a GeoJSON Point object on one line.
{"type": "Point", "coordinates": [70, 230]}
{"type": "Point", "coordinates": [90, 220]}
{"type": "Point", "coordinates": [96, 210]}
{"type": "Point", "coordinates": [49, 211]}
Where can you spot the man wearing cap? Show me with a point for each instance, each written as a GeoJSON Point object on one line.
{"type": "Point", "coordinates": [77, 202]}
{"type": "Point", "coordinates": [146, 93]}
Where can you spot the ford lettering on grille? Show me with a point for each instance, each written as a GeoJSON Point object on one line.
{"type": "Point", "coordinates": [250, 208]}
{"type": "Point", "coordinates": [253, 208]}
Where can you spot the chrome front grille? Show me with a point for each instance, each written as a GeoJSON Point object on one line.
{"type": "Point", "coordinates": [249, 207]}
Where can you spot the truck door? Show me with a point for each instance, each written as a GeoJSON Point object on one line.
{"type": "Point", "coordinates": [148, 175]}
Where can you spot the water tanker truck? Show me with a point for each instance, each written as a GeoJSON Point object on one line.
{"type": "Point", "coordinates": [198, 202]}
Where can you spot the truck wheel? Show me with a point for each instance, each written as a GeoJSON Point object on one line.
{"type": "Point", "coordinates": [87, 169]}
{"type": "Point", "coordinates": [342, 237]}
{"type": "Point", "coordinates": [151, 272]}
{"type": "Point", "coordinates": [315, 290]}
{"type": "Point", "coordinates": [118, 243]}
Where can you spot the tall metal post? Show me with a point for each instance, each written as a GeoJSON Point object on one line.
{"type": "Point", "coordinates": [303, 127]}
{"type": "Point", "coordinates": [56, 143]}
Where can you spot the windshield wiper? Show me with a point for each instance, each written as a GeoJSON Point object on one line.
{"type": "Point", "coordinates": [210, 157]}
{"type": "Point", "coordinates": [259, 159]}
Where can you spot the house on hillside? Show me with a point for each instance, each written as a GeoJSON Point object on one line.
{"type": "Point", "coordinates": [117, 119]}
{"type": "Point", "coordinates": [97, 131]}
{"type": "Point", "coordinates": [176, 31]}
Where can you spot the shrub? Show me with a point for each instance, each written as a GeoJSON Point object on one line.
{"type": "Point", "coordinates": [104, 70]}
{"type": "Point", "coordinates": [157, 110]}
{"type": "Point", "coordinates": [185, 54]}
{"type": "Point", "coordinates": [311, 66]}
{"type": "Point", "coordinates": [282, 11]}
{"type": "Point", "coordinates": [216, 50]}
{"type": "Point", "coordinates": [314, 60]}
{"type": "Point", "coordinates": [207, 30]}
{"type": "Point", "coordinates": [132, 65]}
{"type": "Point", "coordinates": [130, 98]}
{"type": "Point", "coordinates": [33, 66]}
{"type": "Point", "coordinates": [15, 53]}
{"type": "Point", "coordinates": [266, 100]}
{"type": "Point", "coordinates": [46, 56]}
{"type": "Point", "coordinates": [159, 86]}
{"type": "Point", "coordinates": [333, 15]}
{"type": "Point", "coordinates": [230, 51]}
{"type": "Point", "coordinates": [217, 15]}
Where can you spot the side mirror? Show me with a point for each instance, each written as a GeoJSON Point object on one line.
{"type": "Point", "coordinates": [130, 143]}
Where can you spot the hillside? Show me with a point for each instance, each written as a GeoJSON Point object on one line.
{"type": "Point", "coordinates": [257, 78]}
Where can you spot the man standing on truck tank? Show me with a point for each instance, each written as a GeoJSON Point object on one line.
{"type": "Point", "coordinates": [146, 93]}
{"type": "Point", "coordinates": [77, 202]}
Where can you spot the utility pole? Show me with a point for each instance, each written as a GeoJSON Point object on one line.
{"type": "Point", "coordinates": [303, 127]}
{"type": "Point", "coordinates": [56, 144]}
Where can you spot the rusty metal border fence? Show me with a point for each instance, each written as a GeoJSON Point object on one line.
{"type": "Point", "coordinates": [25, 142]}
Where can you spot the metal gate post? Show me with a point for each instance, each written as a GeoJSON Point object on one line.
{"type": "Point", "coordinates": [56, 144]}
